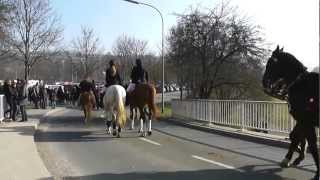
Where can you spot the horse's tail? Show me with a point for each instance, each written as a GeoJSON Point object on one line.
{"type": "Point", "coordinates": [152, 104]}
{"type": "Point", "coordinates": [121, 113]}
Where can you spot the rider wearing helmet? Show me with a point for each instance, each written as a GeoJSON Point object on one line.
{"type": "Point", "coordinates": [138, 76]}
{"type": "Point", "coordinates": [112, 75]}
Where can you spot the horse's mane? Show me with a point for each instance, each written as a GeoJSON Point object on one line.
{"type": "Point", "coordinates": [294, 61]}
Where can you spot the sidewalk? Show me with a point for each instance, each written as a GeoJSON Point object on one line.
{"type": "Point", "coordinates": [18, 153]}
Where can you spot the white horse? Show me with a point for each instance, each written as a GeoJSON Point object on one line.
{"type": "Point", "coordinates": [113, 101]}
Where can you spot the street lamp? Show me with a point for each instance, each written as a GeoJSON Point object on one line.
{"type": "Point", "coordinates": [140, 3]}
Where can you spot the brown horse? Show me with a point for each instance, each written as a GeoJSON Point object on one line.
{"type": "Point", "coordinates": [87, 101]}
{"type": "Point", "coordinates": [143, 96]}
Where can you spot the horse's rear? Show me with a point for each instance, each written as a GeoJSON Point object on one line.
{"type": "Point", "coordinates": [86, 101]}
{"type": "Point", "coordinates": [145, 94]}
{"type": "Point", "coordinates": [114, 105]}
{"type": "Point", "coordinates": [142, 96]}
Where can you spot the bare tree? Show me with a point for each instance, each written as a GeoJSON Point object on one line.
{"type": "Point", "coordinates": [203, 43]}
{"type": "Point", "coordinates": [5, 9]}
{"type": "Point", "coordinates": [127, 49]}
{"type": "Point", "coordinates": [86, 47]}
{"type": "Point", "coordinates": [34, 32]}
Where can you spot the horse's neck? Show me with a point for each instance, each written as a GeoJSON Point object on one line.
{"type": "Point", "coordinates": [294, 75]}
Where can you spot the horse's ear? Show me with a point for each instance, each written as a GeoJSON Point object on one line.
{"type": "Point", "coordinates": [277, 49]}
{"type": "Point", "coordinates": [281, 50]}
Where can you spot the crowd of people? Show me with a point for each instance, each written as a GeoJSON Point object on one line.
{"type": "Point", "coordinates": [16, 97]}
{"type": "Point", "coordinates": [41, 95]}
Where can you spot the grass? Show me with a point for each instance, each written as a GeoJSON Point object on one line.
{"type": "Point", "coordinates": [166, 110]}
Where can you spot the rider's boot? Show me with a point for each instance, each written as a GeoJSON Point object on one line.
{"type": "Point", "coordinates": [127, 99]}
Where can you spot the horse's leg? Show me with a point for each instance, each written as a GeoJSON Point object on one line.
{"type": "Point", "coordinates": [293, 146]}
{"type": "Point", "coordinates": [302, 153]}
{"type": "Point", "coordinates": [85, 114]}
{"type": "Point", "coordinates": [88, 113]}
{"type": "Point", "coordinates": [149, 119]}
{"type": "Point", "coordinates": [119, 131]}
{"type": "Point", "coordinates": [108, 126]}
{"type": "Point", "coordinates": [114, 125]}
{"type": "Point", "coordinates": [312, 141]}
{"type": "Point", "coordinates": [132, 118]}
{"type": "Point", "coordinates": [142, 120]}
{"type": "Point", "coordinates": [108, 122]}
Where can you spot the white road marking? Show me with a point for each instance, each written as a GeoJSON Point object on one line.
{"type": "Point", "coordinates": [149, 141]}
{"type": "Point", "coordinates": [214, 162]}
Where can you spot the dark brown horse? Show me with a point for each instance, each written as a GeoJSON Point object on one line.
{"type": "Point", "coordinates": [87, 101]}
{"type": "Point", "coordinates": [141, 97]}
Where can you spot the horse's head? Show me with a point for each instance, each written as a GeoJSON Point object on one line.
{"type": "Point", "coordinates": [282, 68]}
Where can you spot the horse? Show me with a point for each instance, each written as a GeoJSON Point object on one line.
{"type": "Point", "coordinates": [143, 96]}
{"type": "Point", "coordinates": [286, 78]}
{"type": "Point", "coordinates": [87, 103]}
{"type": "Point", "coordinates": [113, 101]}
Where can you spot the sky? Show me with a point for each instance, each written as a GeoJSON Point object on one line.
{"type": "Point", "coordinates": [293, 24]}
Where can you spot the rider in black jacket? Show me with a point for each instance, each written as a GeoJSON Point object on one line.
{"type": "Point", "coordinates": [139, 74]}
{"type": "Point", "coordinates": [112, 75]}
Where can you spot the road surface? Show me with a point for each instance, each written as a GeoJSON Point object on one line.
{"type": "Point", "coordinates": [72, 150]}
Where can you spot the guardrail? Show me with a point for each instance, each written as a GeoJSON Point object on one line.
{"type": "Point", "coordinates": [2, 107]}
{"type": "Point", "coordinates": [252, 115]}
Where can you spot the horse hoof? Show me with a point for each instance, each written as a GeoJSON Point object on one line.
{"type": "Point", "coordinates": [114, 133]}
{"type": "Point", "coordinates": [284, 163]}
{"type": "Point", "coordinates": [149, 133]}
{"type": "Point", "coordinates": [297, 161]}
{"type": "Point", "coordinates": [316, 177]}
{"type": "Point", "coordinates": [118, 136]}
{"type": "Point", "coordinates": [141, 135]}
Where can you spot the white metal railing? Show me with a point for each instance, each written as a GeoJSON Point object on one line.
{"type": "Point", "coordinates": [2, 107]}
{"type": "Point", "coordinates": [259, 115]}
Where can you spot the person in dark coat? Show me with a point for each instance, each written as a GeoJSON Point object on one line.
{"type": "Point", "coordinates": [7, 89]}
{"type": "Point", "coordinates": [14, 93]}
{"type": "Point", "coordinates": [22, 99]}
{"type": "Point", "coordinates": [138, 75]}
{"type": "Point", "coordinates": [112, 75]}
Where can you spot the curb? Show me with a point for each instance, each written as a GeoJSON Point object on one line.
{"type": "Point", "coordinates": [233, 134]}
{"type": "Point", "coordinates": [45, 116]}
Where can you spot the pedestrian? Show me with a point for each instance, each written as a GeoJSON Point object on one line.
{"type": "Point", "coordinates": [22, 99]}
{"type": "Point", "coordinates": [14, 93]}
{"type": "Point", "coordinates": [8, 95]}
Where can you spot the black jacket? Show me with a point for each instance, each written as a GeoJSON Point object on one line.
{"type": "Point", "coordinates": [139, 75]}
{"type": "Point", "coordinates": [112, 80]}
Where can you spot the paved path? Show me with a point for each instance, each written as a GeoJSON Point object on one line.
{"type": "Point", "coordinates": [18, 153]}
{"type": "Point", "coordinates": [71, 150]}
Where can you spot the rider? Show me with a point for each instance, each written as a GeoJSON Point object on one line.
{"type": "Point", "coordinates": [112, 75]}
{"type": "Point", "coordinates": [138, 76]}
{"type": "Point", "coordinates": [86, 86]}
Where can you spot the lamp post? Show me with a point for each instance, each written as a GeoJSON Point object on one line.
{"type": "Point", "coordinates": [140, 3]}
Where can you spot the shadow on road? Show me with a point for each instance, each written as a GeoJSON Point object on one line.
{"type": "Point", "coordinates": [249, 174]}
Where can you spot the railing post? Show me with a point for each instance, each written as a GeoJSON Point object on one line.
{"type": "Point", "coordinates": [243, 115]}
{"type": "Point", "coordinates": [2, 108]}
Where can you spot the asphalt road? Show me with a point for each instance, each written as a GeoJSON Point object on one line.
{"type": "Point", "coordinates": [72, 150]}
